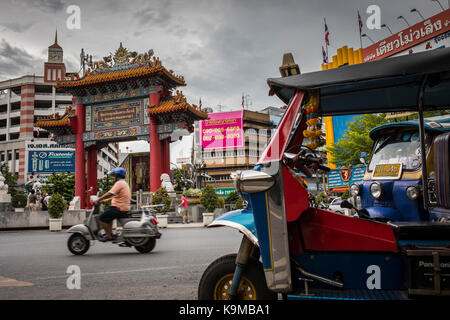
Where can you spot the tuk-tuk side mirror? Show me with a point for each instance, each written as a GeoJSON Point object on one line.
{"type": "Point", "coordinates": [346, 204]}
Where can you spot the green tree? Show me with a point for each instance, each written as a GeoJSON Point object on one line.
{"type": "Point", "coordinates": [161, 196]}
{"type": "Point", "coordinates": [56, 206]}
{"type": "Point", "coordinates": [209, 199]}
{"type": "Point", "coordinates": [63, 184]}
{"type": "Point", "coordinates": [356, 140]}
{"type": "Point", "coordinates": [321, 197]}
{"type": "Point", "coordinates": [232, 197]}
{"type": "Point", "coordinates": [105, 184]}
{"type": "Point", "coordinates": [345, 195]}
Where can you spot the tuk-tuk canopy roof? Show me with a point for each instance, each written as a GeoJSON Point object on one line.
{"type": "Point", "coordinates": [438, 124]}
{"type": "Point", "coordinates": [388, 85]}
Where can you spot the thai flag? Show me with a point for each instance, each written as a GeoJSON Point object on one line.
{"type": "Point", "coordinates": [327, 35]}
{"type": "Point", "coordinates": [200, 104]}
{"type": "Point", "coordinates": [324, 54]}
{"type": "Point", "coordinates": [360, 23]}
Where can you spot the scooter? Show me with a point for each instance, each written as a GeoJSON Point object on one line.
{"type": "Point", "coordinates": [138, 230]}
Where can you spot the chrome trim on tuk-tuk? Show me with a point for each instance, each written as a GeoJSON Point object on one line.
{"type": "Point", "coordinates": [278, 277]}
{"type": "Point", "coordinates": [237, 226]}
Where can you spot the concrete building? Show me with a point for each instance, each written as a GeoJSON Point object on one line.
{"type": "Point", "coordinates": [25, 98]}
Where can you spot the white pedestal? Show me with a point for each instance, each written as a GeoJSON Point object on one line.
{"type": "Point", "coordinates": [55, 224]}
{"type": "Point", "coordinates": [208, 217]}
{"type": "Point", "coordinates": [162, 220]}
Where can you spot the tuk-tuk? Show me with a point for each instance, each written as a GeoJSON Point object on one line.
{"type": "Point", "coordinates": [391, 187]}
{"type": "Point", "coordinates": [291, 247]}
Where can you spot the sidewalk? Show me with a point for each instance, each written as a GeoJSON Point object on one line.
{"type": "Point", "coordinates": [185, 225]}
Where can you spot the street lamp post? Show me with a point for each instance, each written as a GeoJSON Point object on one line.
{"type": "Point", "coordinates": [366, 36]}
{"type": "Point", "coordinates": [386, 26]}
{"type": "Point", "coordinates": [418, 12]}
{"type": "Point", "coordinates": [440, 4]}
{"type": "Point", "coordinates": [402, 17]}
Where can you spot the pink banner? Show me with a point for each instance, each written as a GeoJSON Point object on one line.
{"type": "Point", "coordinates": [222, 131]}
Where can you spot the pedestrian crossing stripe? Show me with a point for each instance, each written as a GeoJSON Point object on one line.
{"type": "Point", "coordinates": [7, 282]}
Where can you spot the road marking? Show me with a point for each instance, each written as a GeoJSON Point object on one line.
{"type": "Point", "coordinates": [125, 271]}
{"type": "Point", "coordinates": [7, 282]}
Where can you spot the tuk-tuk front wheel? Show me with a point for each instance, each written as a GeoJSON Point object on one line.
{"type": "Point", "coordinates": [216, 281]}
{"type": "Point", "coordinates": [78, 244]}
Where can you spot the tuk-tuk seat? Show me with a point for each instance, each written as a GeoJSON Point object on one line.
{"type": "Point", "coordinates": [422, 230]}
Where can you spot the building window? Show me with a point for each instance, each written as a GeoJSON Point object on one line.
{"type": "Point", "coordinates": [59, 74]}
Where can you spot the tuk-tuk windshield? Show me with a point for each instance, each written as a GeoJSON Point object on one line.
{"type": "Point", "coordinates": [400, 147]}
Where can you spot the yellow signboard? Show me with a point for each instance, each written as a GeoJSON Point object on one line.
{"type": "Point", "coordinates": [387, 171]}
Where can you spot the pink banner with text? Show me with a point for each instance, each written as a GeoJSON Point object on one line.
{"type": "Point", "coordinates": [222, 130]}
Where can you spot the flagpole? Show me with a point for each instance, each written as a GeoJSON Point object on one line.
{"type": "Point", "coordinates": [326, 45]}
{"type": "Point", "coordinates": [359, 27]}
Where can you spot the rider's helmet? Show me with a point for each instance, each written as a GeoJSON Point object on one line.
{"type": "Point", "coordinates": [118, 172]}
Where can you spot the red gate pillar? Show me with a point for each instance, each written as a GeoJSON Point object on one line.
{"type": "Point", "coordinates": [80, 169]}
{"type": "Point", "coordinates": [91, 174]}
{"type": "Point", "coordinates": [166, 155]}
{"type": "Point", "coordinates": [155, 146]}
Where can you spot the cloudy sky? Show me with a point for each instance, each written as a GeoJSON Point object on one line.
{"type": "Point", "coordinates": [222, 48]}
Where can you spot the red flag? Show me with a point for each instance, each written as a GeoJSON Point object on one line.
{"type": "Point", "coordinates": [327, 35]}
{"type": "Point", "coordinates": [360, 22]}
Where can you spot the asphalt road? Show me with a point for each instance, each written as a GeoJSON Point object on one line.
{"type": "Point", "coordinates": [33, 265]}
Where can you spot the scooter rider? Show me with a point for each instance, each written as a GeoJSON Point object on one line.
{"type": "Point", "coordinates": [120, 197]}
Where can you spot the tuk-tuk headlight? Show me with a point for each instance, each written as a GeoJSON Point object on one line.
{"type": "Point", "coordinates": [355, 189]}
{"type": "Point", "coordinates": [412, 192]}
{"type": "Point", "coordinates": [376, 190]}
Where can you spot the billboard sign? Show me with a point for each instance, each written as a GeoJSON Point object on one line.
{"type": "Point", "coordinates": [222, 130]}
{"type": "Point", "coordinates": [345, 177]}
{"type": "Point", "coordinates": [410, 37]}
{"type": "Point", "coordinates": [51, 161]}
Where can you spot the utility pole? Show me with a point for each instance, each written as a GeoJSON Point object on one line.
{"type": "Point", "coordinates": [85, 59]}
{"type": "Point", "coordinates": [246, 101]}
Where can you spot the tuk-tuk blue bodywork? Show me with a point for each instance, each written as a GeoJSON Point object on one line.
{"type": "Point", "coordinates": [393, 203]}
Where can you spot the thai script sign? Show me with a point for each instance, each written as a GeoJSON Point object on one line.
{"type": "Point", "coordinates": [393, 171]}
{"type": "Point", "coordinates": [117, 115]}
{"type": "Point", "coordinates": [224, 192]}
{"type": "Point", "coordinates": [49, 161]}
{"type": "Point", "coordinates": [416, 34]}
{"type": "Point", "coordinates": [345, 177]}
{"type": "Point", "coordinates": [222, 131]}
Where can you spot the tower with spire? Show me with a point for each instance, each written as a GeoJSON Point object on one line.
{"type": "Point", "coordinates": [54, 68]}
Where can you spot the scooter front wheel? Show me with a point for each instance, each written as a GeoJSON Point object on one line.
{"type": "Point", "coordinates": [78, 244]}
{"type": "Point", "coordinates": [215, 283]}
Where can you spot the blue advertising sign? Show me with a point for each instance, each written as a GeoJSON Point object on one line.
{"type": "Point", "coordinates": [344, 177]}
{"type": "Point", "coordinates": [49, 161]}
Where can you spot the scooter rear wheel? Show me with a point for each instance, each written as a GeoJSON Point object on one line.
{"type": "Point", "coordinates": [148, 247]}
{"type": "Point", "coordinates": [78, 244]}
{"type": "Point", "coordinates": [216, 281]}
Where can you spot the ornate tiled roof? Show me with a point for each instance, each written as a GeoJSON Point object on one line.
{"type": "Point", "coordinates": [178, 104]}
{"type": "Point", "coordinates": [56, 122]}
{"type": "Point", "coordinates": [124, 65]}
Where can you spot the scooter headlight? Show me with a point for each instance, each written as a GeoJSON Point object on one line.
{"type": "Point", "coordinates": [355, 189]}
{"type": "Point", "coordinates": [376, 190]}
{"type": "Point", "coordinates": [412, 192]}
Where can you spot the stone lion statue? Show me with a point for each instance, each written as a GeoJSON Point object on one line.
{"type": "Point", "coordinates": [166, 184]}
